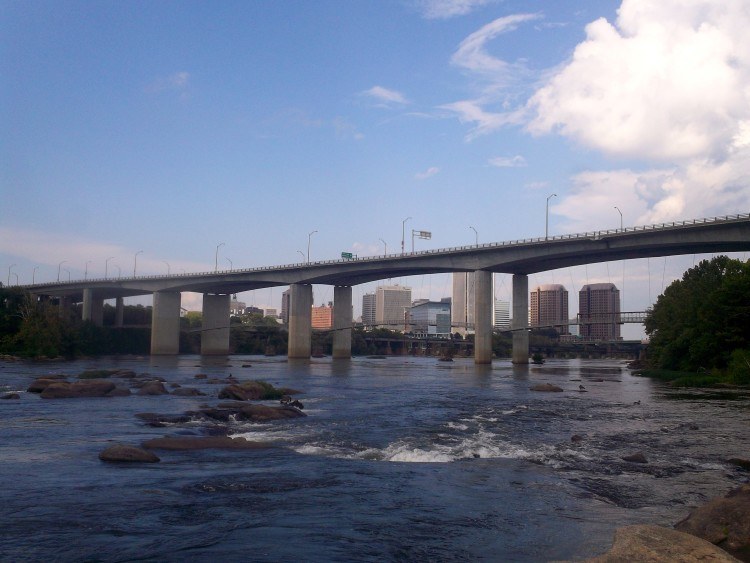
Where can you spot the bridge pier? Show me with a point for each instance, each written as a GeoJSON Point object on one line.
{"type": "Point", "coordinates": [342, 322]}
{"type": "Point", "coordinates": [93, 307]}
{"type": "Point", "coordinates": [300, 321]}
{"type": "Point", "coordinates": [165, 323]}
{"type": "Point", "coordinates": [520, 322]}
{"type": "Point", "coordinates": [119, 311]}
{"type": "Point", "coordinates": [215, 330]}
{"type": "Point", "coordinates": [482, 317]}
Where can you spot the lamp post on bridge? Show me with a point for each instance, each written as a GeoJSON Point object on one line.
{"type": "Point", "coordinates": [135, 260]}
{"type": "Point", "coordinates": [231, 264]}
{"type": "Point", "coordinates": [66, 270]}
{"type": "Point", "coordinates": [309, 236]}
{"type": "Point", "coordinates": [622, 290]}
{"type": "Point", "coordinates": [9, 269]}
{"type": "Point", "coordinates": [106, 266]}
{"type": "Point", "coordinates": [546, 217]}
{"type": "Point", "coordinates": [169, 272]}
{"type": "Point", "coordinates": [385, 247]}
{"type": "Point", "coordinates": [86, 270]}
{"type": "Point", "coordinates": [33, 275]}
{"type": "Point", "coordinates": [620, 212]}
{"type": "Point", "coordinates": [476, 234]}
{"type": "Point", "coordinates": [403, 234]}
{"type": "Point", "coordinates": [58, 269]}
{"type": "Point", "coordinates": [216, 257]}
{"type": "Point", "coordinates": [303, 255]}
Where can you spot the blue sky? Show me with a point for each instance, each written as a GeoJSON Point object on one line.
{"type": "Point", "coordinates": [172, 127]}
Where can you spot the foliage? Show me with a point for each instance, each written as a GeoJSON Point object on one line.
{"type": "Point", "coordinates": [682, 378]}
{"type": "Point", "coordinates": [739, 367]}
{"type": "Point", "coordinates": [700, 320]}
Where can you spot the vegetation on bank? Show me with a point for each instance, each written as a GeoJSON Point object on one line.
{"type": "Point", "coordinates": [699, 328]}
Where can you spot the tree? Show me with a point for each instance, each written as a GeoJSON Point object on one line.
{"type": "Point", "coordinates": [700, 320]}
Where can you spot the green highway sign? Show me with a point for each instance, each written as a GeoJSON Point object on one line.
{"type": "Point", "coordinates": [347, 255]}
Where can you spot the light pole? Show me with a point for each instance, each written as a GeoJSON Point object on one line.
{"type": "Point", "coordinates": [9, 269]}
{"type": "Point", "coordinates": [231, 265]}
{"type": "Point", "coordinates": [169, 271]}
{"type": "Point", "coordinates": [66, 270]}
{"type": "Point", "coordinates": [86, 270]}
{"type": "Point", "coordinates": [303, 255]}
{"type": "Point", "coordinates": [15, 274]}
{"type": "Point", "coordinates": [216, 257]}
{"type": "Point", "coordinates": [476, 234]}
{"type": "Point", "coordinates": [546, 217]}
{"type": "Point", "coordinates": [403, 234]}
{"type": "Point", "coordinates": [33, 274]}
{"type": "Point", "coordinates": [620, 212]}
{"type": "Point", "coordinates": [119, 271]}
{"type": "Point", "coordinates": [622, 290]}
{"type": "Point", "coordinates": [135, 261]}
{"type": "Point", "coordinates": [309, 236]}
{"type": "Point", "coordinates": [106, 266]}
{"type": "Point", "coordinates": [385, 247]}
{"type": "Point", "coordinates": [58, 269]}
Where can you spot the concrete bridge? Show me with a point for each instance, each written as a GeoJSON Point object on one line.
{"type": "Point", "coordinates": [519, 258]}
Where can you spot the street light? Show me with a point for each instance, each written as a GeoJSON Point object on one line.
{"type": "Point", "coordinates": [106, 266]}
{"type": "Point", "coordinates": [231, 265]}
{"type": "Point", "coordinates": [620, 212]}
{"type": "Point", "coordinates": [385, 247]}
{"type": "Point", "coordinates": [476, 234]}
{"type": "Point", "coordinates": [302, 254]}
{"type": "Point", "coordinates": [309, 236]}
{"type": "Point", "coordinates": [119, 271]}
{"type": "Point", "coordinates": [622, 289]}
{"type": "Point", "coordinates": [66, 270]}
{"type": "Point", "coordinates": [58, 269]}
{"type": "Point", "coordinates": [15, 274]}
{"type": "Point", "coordinates": [546, 217]}
{"type": "Point", "coordinates": [135, 261]}
{"type": "Point", "coordinates": [216, 258]}
{"type": "Point", "coordinates": [9, 268]}
{"type": "Point", "coordinates": [33, 274]}
{"type": "Point", "coordinates": [403, 233]}
{"type": "Point", "coordinates": [86, 270]}
{"type": "Point", "coordinates": [169, 271]}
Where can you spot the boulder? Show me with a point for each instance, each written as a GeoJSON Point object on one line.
{"type": "Point", "coordinates": [655, 544]}
{"type": "Point", "coordinates": [119, 392]}
{"type": "Point", "coordinates": [203, 443]}
{"type": "Point", "coordinates": [120, 452]}
{"type": "Point", "coordinates": [88, 388]}
{"type": "Point", "coordinates": [233, 393]}
{"type": "Point", "coordinates": [723, 521]}
{"type": "Point", "coordinates": [635, 458]}
{"type": "Point", "coordinates": [256, 413]}
{"type": "Point", "coordinates": [159, 420]}
{"type": "Point", "coordinates": [11, 396]}
{"type": "Point", "coordinates": [187, 392]}
{"type": "Point", "coordinates": [742, 463]}
{"type": "Point", "coordinates": [41, 383]}
{"type": "Point", "coordinates": [547, 387]}
{"type": "Point", "coordinates": [153, 388]}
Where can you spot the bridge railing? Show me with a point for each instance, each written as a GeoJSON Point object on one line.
{"type": "Point", "coordinates": [518, 242]}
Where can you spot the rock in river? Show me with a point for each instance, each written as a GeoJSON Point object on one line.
{"type": "Point", "coordinates": [88, 388]}
{"type": "Point", "coordinates": [548, 387]}
{"type": "Point", "coordinates": [120, 452]}
{"type": "Point", "coordinates": [203, 443]}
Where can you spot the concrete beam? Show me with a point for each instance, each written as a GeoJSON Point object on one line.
{"type": "Point", "coordinates": [482, 317]}
{"type": "Point", "coordinates": [520, 319]}
{"type": "Point", "coordinates": [165, 323]}
{"type": "Point", "coordinates": [342, 322]}
{"type": "Point", "coordinates": [215, 329]}
{"type": "Point", "coordinates": [300, 320]}
{"type": "Point", "coordinates": [93, 307]}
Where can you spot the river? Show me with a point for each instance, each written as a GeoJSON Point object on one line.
{"type": "Point", "coordinates": [399, 459]}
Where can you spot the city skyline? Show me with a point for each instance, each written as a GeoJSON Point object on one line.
{"type": "Point", "coordinates": [240, 136]}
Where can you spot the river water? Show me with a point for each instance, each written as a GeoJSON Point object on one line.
{"type": "Point", "coordinates": [399, 459]}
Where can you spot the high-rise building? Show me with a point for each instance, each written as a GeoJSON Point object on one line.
{"type": "Point", "coordinates": [285, 298]}
{"type": "Point", "coordinates": [462, 303]}
{"type": "Point", "coordinates": [549, 307]}
{"type": "Point", "coordinates": [599, 303]}
{"type": "Point", "coordinates": [431, 318]}
{"type": "Point", "coordinates": [392, 304]}
{"type": "Point", "coordinates": [501, 315]}
{"type": "Point", "coordinates": [368, 310]}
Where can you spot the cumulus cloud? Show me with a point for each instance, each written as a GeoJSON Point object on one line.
{"type": "Point", "coordinates": [431, 171]}
{"type": "Point", "coordinates": [508, 161]}
{"type": "Point", "coordinates": [445, 9]}
{"type": "Point", "coordinates": [385, 97]}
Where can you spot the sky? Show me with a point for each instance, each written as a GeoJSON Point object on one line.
{"type": "Point", "coordinates": [181, 136]}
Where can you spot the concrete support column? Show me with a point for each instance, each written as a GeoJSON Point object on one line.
{"type": "Point", "coordinates": [300, 320]}
{"type": "Point", "coordinates": [215, 329]}
{"type": "Point", "coordinates": [520, 319]}
{"type": "Point", "coordinates": [63, 307]}
{"type": "Point", "coordinates": [342, 322]}
{"type": "Point", "coordinates": [482, 317]}
{"type": "Point", "coordinates": [165, 323]}
{"type": "Point", "coordinates": [93, 307]}
{"type": "Point", "coordinates": [119, 311]}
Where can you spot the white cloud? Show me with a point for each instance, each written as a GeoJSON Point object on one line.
{"type": "Point", "coordinates": [445, 9]}
{"type": "Point", "coordinates": [471, 111]}
{"type": "Point", "coordinates": [346, 130]}
{"type": "Point", "coordinates": [385, 97]}
{"type": "Point", "coordinates": [536, 185]}
{"type": "Point", "coordinates": [431, 171]}
{"type": "Point", "coordinates": [508, 161]}
{"type": "Point", "coordinates": [177, 81]}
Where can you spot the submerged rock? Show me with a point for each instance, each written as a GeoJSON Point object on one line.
{"type": "Point", "coordinates": [11, 396]}
{"type": "Point", "coordinates": [203, 443]}
{"type": "Point", "coordinates": [242, 411]}
{"type": "Point", "coordinates": [153, 388]}
{"type": "Point", "coordinates": [547, 387]}
{"type": "Point", "coordinates": [120, 452]}
{"type": "Point", "coordinates": [723, 521]}
{"type": "Point", "coordinates": [635, 458]}
{"type": "Point", "coordinates": [88, 388]}
{"type": "Point", "coordinates": [656, 545]}
{"type": "Point", "coordinates": [187, 392]}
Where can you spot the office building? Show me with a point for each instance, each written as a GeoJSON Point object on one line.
{"type": "Point", "coordinates": [549, 307]}
{"type": "Point", "coordinates": [501, 315]}
{"type": "Point", "coordinates": [392, 304]}
{"type": "Point", "coordinates": [431, 318]}
{"type": "Point", "coordinates": [322, 317]}
{"type": "Point", "coordinates": [368, 310]}
{"type": "Point", "coordinates": [598, 311]}
{"type": "Point", "coordinates": [462, 303]}
{"type": "Point", "coordinates": [285, 297]}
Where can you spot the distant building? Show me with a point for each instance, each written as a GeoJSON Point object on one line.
{"type": "Point", "coordinates": [368, 310]}
{"type": "Point", "coordinates": [549, 307]}
{"type": "Point", "coordinates": [462, 303]}
{"type": "Point", "coordinates": [285, 298]}
{"type": "Point", "coordinates": [598, 311]}
{"type": "Point", "coordinates": [236, 307]}
{"type": "Point", "coordinates": [322, 317]}
{"type": "Point", "coordinates": [431, 318]}
{"type": "Point", "coordinates": [272, 312]}
{"type": "Point", "coordinates": [501, 316]}
{"type": "Point", "coordinates": [392, 304]}
{"type": "Point", "coordinates": [253, 311]}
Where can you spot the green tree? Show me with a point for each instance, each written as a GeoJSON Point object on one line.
{"type": "Point", "coordinates": [701, 319]}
